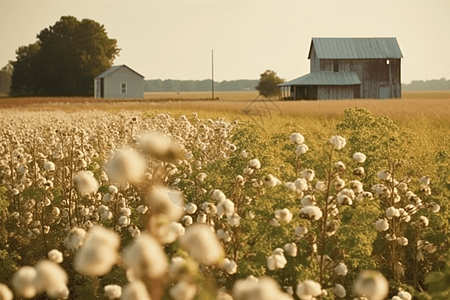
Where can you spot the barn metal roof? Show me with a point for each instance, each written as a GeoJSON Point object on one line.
{"type": "Point", "coordinates": [325, 78]}
{"type": "Point", "coordinates": [355, 48]}
{"type": "Point", "coordinates": [115, 68]}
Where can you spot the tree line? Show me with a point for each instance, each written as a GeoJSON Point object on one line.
{"type": "Point", "coordinates": [427, 85]}
{"type": "Point", "coordinates": [170, 85]}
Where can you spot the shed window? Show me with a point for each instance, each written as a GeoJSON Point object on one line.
{"type": "Point", "coordinates": [123, 88]}
{"type": "Point", "coordinates": [336, 65]}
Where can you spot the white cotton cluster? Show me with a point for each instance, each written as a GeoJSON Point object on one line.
{"type": "Point", "coordinates": [301, 184]}
{"type": "Point", "coordinates": [145, 257]}
{"type": "Point", "coordinates": [183, 290]}
{"type": "Point", "coordinates": [5, 292]}
{"type": "Point", "coordinates": [359, 157]}
{"type": "Point", "coordinates": [254, 164]}
{"type": "Point", "coordinates": [371, 284]}
{"type": "Point", "coordinates": [234, 220]}
{"type": "Point", "coordinates": [23, 282]}
{"type": "Point", "coordinates": [190, 208]}
{"type": "Point", "coordinates": [230, 266]}
{"type": "Point", "coordinates": [218, 195]}
{"type": "Point", "coordinates": [49, 166]}
{"type": "Point", "coordinates": [223, 235]}
{"type": "Point", "coordinates": [99, 252]}
{"type": "Point", "coordinates": [338, 142]}
{"type": "Point", "coordinates": [113, 291]}
{"type": "Point", "coordinates": [321, 186]}
{"type": "Point", "coordinates": [384, 175]}
{"type": "Point", "coordinates": [283, 215]}
{"type": "Point", "coordinates": [55, 256]}
{"type": "Point", "coordinates": [168, 202]}
{"type": "Point", "coordinates": [75, 238]}
{"type": "Point", "coordinates": [291, 249]}
{"type": "Point", "coordinates": [301, 149]}
{"type": "Point", "coordinates": [264, 288]}
{"type": "Point", "coordinates": [402, 295]}
{"type": "Point", "coordinates": [270, 180]}
{"type": "Point", "coordinates": [202, 244]}
{"type": "Point", "coordinates": [158, 145]}
{"type": "Point", "coordinates": [135, 290]}
{"type": "Point", "coordinates": [225, 207]}
{"type": "Point", "coordinates": [301, 230]}
{"type": "Point", "coordinates": [345, 197]}
{"type": "Point", "coordinates": [127, 165]}
{"type": "Point", "coordinates": [381, 225]}
{"type": "Point", "coordinates": [308, 174]}
{"type": "Point", "coordinates": [392, 212]}
{"type": "Point", "coordinates": [276, 260]}
{"type": "Point", "coordinates": [311, 212]}
{"type": "Point", "coordinates": [85, 183]}
{"type": "Point", "coordinates": [167, 233]}
{"type": "Point", "coordinates": [308, 290]}
{"type": "Point", "coordinates": [341, 269]}
{"type": "Point", "coordinates": [297, 138]}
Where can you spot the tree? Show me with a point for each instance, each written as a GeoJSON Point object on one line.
{"type": "Point", "coordinates": [64, 60]}
{"type": "Point", "coordinates": [5, 78]}
{"type": "Point", "coordinates": [268, 84]}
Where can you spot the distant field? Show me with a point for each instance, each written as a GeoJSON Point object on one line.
{"type": "Point", "coordinates": [228, 96]}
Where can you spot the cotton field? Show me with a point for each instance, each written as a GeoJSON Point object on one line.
{"type": "Point", "coordinates": [150, 206]}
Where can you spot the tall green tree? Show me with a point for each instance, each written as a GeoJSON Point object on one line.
{"type": "Point", "coordinates": [5, 78]}
{"type": "Point", "coordinates": [69, 55]}
{"type": "Point", "coordinates": [268, 84]}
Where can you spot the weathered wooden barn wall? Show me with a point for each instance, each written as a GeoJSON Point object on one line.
{"type": "Point", "coordinates": [336, 92]}
{"type": "Point", "coordinates": [373, 79]}
{"type": "Point", "coordinates": [314, 60]}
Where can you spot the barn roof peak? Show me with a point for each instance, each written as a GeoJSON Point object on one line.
{"type": "Point", "coordinates": [355, 48]}
{"type": "Point", "coordinates": [115, 68]}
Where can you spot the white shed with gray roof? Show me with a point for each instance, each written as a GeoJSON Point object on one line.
{"type": "Point", "coordinates": [119, 82]}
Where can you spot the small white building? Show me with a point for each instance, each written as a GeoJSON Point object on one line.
{"type": "Point", "coordinates": [119, 82]}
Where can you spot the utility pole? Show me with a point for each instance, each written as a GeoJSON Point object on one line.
{"type": "Point", "coordinates": [212, 60]}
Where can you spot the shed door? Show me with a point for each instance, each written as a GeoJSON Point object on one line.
{"type": "Point", "coordinates": [384, 92]}
{"type": "Point", "coordinates": [102, 87]}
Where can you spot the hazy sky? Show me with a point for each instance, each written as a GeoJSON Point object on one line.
{"type": "Point", "coordinates": [173, 39]}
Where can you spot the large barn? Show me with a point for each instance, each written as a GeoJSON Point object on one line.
{"type": "Point", "coordinates": [348, 68]}
{"type": "Point", "coordinates": [119, 82]}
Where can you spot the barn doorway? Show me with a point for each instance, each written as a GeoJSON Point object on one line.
{"type": "Point", "coordinates": [102, 87]}
{"type": "Point", "coordinates": [385, 92]}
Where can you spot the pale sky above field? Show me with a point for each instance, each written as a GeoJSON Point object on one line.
{"type": "Point", "coordinates": [173, 39]}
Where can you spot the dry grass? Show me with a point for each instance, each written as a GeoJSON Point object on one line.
{"type": "Point", "coordinates": [223, 96]}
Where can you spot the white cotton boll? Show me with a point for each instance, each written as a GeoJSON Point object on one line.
{"type": "Point", "coordinates": [434, 207]}
{"type": "Point", "coordinates": [402, 187]}
{"type": "Point", "coordinates": [234, 220]}
{"type": "Point", "coordinates": [55, 256]}
{"type": "Point", "coordinates": [404, 295]}
{"type": "Point", "coordinates": [345, 197]}
{"type": "Point", "coordinates": [392, 212]}
{"type": "Point", "coordinates": [99, 252]}
{"type": "Point", "coordinates": [85, 183]}
{"type": "Point", "coordinates": [177, 267]}
{"type": "Point", "coordinates": [127, 165]}
{"type": "Point", "coordinates": [301, 231]}
{"type": "Point", "coordinates": [425, 180]}
{"type": "Point", "coordinates": [356, 186]}
{"type": "Point", "coordinates": [339, 290]}
{"type": "Point", "coordinates": [320, 186]}
{"type": "Point", "coordinates": [301, 149]}
{"type": "Point", "coordinates": [270, 180]}
{"type": "Point", "coordinates": [201, 218]}
{"type": "Point", "coordinates": [223, 235]}
{"type": "Point", "coordinates": [162, 200]}
{"type": "Point", "coordinates": [112, 189]}
{"type": "Point", "coordinates": [381, 225]}
{"type": "Point", "coordinates": [135, 290]}
{"type": "Point", "coordinates": [308, 289]}
{"type": "Point", "coordinates": [276, 260]}
{"type": "Point", "coordinates": [244, 153]}
{"type": "Point", "coordinates": [384, 175]}
{"type": "Point", "coordinates": [291, 249]}
{"type": "Point", "coordinates": [124, 221]}
{"type": "Point", "coordinates": [424, 220]}
{"type": "Point", "coordinates": [23, 282]}
{"type": "Point", "coordinates": [229, 266]}
{"type": "Point", "coordinates": [158, 145]}
{"type": "Point", "coordinates": [190, 208]}
{"type": "Point", "coordinates": [341, 269]}
{"type": "Point", "coordinates": [50, 278]}
{"type": "Point", "coordinates": [254, 164]}
{"type": "Point", "coordinates": [209, 208]}
{"type": "Point", "coordinates": [225, 207]}
{"type": "Point", "coordinates": [218, 195]}
{"type": "Point", "coordinates": [107, 198]}
{"type": "Point", "coordinates": [308, 200]}
{"type": "Point", "coordinates": [187, 220]}
{"type": "Point", "coordinates": [142, 209]}
{"type": "Point", "coordinates": [183, 290]}
{"type": "Point", "coordinates": [339, 183]}
{"type": "Point", "coordinates": [5, 292]}
{"type": "Point", "coordinates": [297, 138]}
{"type": "Point", "coordinates": [145, 257]}
{"type": "Point", "coordinates": [75, 238]}
{"type": "Point", "coordinates": [202, 244]}
{"type": "Point", "coordinates": [265, 288]}
{"type": "Point", "coordinates": [337, 141]}
{"type": "Point", "coordinates": [372, 285]}
{"type": "Point", "coordinates": [283, 215]}
{"type": "Point", "coordinates": [49, 166]}
{"type": "Point", "coordinates": [311, 212]}
{"type": "Point", "coordinates": [274, 222]}
{"type": "Point", "coordinates": [308, 174]}
{"type": "Point", "coordinates": [125, 211]}
{"type": "Point", "coordinates": [248, 171]}
{"type": "Point", "coordinates": [113, 291]}
{"type": "Point", "coordinates": [301, 184]}
{"type": "Point", "coordinates": [359, 157]}
{"type": "Point", "coordinates": [402, 241]}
